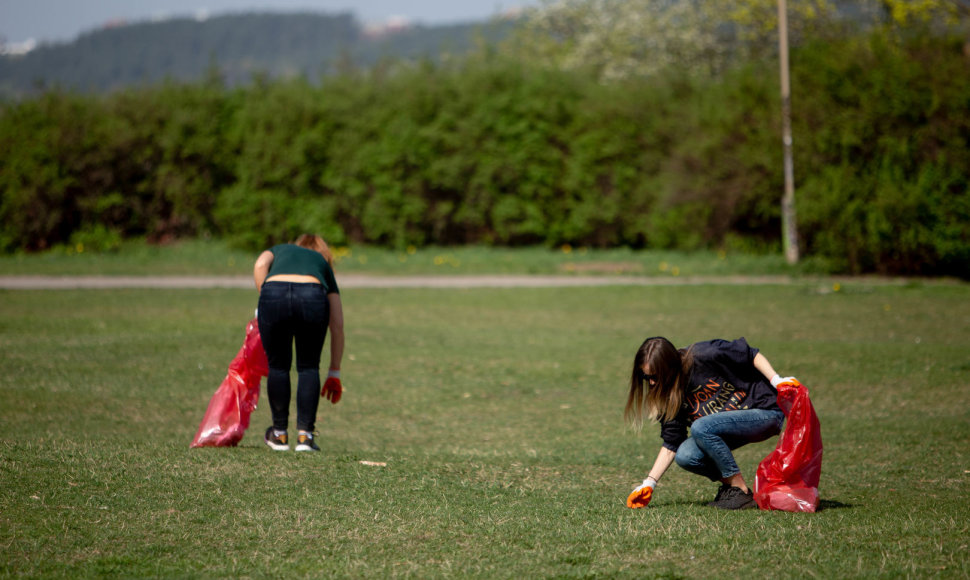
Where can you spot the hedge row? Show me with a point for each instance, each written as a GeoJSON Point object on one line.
{"type": "Point", "coordinates": [492, 150]}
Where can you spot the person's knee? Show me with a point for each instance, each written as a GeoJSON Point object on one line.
{"type": "Point", "coordinates": [683, 461]}
{"type": "Point", "coordinates": [308, 367]}
{"type": "Point", "coordinates": [688, 457]}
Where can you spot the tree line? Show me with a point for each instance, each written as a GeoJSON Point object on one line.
{"type": "Point", "coordinates": [493, 150]}
{"type": "Point", "coordinates": [235, 47]}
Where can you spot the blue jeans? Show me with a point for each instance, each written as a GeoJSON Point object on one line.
{"type": "Point", "coordinates": [288, 313]}
{"type": "Point", "coordinates": [707, 451]}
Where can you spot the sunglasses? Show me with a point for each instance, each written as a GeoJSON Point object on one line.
{"type": "Point", "coordinates": [652, 378]}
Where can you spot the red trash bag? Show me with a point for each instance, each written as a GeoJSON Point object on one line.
{"type": "Point", "coordinates": [787, 479]}
{"type": "Point", "coordinates": [227, 416]}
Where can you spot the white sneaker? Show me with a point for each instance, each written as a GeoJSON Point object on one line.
{"type": "Point", "coordinates": [276, 440]}
{"type": "Point", "coordinates": [304, 442]}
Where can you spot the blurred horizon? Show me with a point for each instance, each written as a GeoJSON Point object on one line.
{"type": "Point", "coordinates": [62, 21]}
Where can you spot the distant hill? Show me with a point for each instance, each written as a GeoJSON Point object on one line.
{"type": "Point", "coordinates": [239, 46]}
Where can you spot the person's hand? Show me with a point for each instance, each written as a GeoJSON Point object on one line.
{"type": "Point", "coordinates": [332, 389]}
{"type": "Point", "coordinates": [642, 495]}
{"type": "Point", "coordinates": [777, 380]}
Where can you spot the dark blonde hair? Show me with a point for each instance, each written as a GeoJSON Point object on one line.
{"type": "Point", "coordinates": [316, 243]}
{"type": "Point", "coordinates": [662, 400]}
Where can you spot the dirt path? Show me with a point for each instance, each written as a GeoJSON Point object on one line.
{"type": "Point", "coordinates": [375, 281]}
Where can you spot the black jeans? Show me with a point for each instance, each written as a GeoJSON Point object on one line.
{"type": "Point", "coordinates": [291, 312]}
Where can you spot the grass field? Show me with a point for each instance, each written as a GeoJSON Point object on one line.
{"type": "Point", "coordinates": [215, 258]}
{"type": "Point", "coordinates": [498, 415]}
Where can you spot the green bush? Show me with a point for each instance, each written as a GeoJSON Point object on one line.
{"type": "Point", "coordinates": [886, 185]}
{"type": "Point", "coordinates": [491, 150]}
{"type": "Point", "coordinates": [50, 157]}
{"type": "Point", "coordinates": [167, 155]}
{"type": "Point", "coordinates": [95, 238]}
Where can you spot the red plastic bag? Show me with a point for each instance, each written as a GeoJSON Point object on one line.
{"type": "Point", "coordinates": [787, 479]}
{"type": "Point", "coordinates": [227, 417]}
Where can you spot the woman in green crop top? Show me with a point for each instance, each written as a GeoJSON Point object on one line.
{"type": "Point", "coordinates": [298, 301]}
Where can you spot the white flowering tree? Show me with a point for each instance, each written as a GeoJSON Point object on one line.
{"type": "Point", "coordinates": [616, 39]}
{"type": "Point", "coordinates": [621, 38]}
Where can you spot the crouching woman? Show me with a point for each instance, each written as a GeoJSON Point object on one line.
{"type": "Point", "coordinates": [723, 392]}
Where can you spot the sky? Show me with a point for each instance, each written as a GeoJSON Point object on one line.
{"type": "Point", "coordinates": [64, 20]}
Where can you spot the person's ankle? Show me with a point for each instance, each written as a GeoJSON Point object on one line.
{"type": "Point", "coordinates": [738, 482]}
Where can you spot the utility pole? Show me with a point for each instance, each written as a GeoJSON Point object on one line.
{"type": "Point", "coordinates": [788, 223]}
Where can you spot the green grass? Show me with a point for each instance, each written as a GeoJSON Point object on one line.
{"type": "Point", "coordinates": [498, 414]}
{"type": "Point", "coordinates": [198, 257]}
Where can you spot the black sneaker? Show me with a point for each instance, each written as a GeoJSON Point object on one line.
{"type": "Point", "coordinates": [276, 442]}
{"type": "Point", "coordinates": [720, 493]}
{"type": "Point", "coordinates": [304, 442]}
{"type": "Point", "coordinates": [735, 499]}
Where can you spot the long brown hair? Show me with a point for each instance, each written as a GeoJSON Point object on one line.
{"type": "Point", "coordinates": [316, 243]}
{"type": "Point", "coordinates": [662, 400]}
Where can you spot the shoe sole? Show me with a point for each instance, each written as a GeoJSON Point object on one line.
{"type": "Point", "coordinates": [745, 506]}
{"type": "Point", "coordinates": [276, 446]}
{"type": "Point", "coordinates": [305, 448]}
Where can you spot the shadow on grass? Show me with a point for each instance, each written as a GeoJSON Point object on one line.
{"type": "Point", "coordinates": [830, 504]}
{"type": "Point", "coordinates": [825, 504]}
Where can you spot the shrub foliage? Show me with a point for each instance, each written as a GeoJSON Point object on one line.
{"type": "Point", "coordinates": [493, 150]}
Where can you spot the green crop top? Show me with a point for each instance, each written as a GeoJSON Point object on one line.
{"type": "Point", "coordinates": [293, 259]}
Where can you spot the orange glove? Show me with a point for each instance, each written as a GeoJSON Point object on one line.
{"type": "Point", "coordinates": [640, 496]}
{"type": "Point", "coordinates": [332, 389]}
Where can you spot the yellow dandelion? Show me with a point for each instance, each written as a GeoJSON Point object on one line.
{"type": "Point", "coordinates": [340, 253]}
